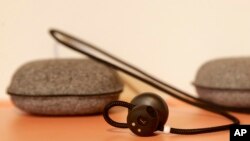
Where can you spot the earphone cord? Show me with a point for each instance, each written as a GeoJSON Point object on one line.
{"type": "Point", "coordinates": [174, 92]}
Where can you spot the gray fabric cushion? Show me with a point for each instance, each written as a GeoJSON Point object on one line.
{"type": "Point", "coordinates": [63, 105]}
{"type": "Point", "coordinates": [64, 87]}
{"type": "Point", "coordinates": [225, 82]}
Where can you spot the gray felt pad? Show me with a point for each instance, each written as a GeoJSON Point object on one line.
{"type": "Point", "coordinates": [225, 82]}
{"type": "Point", "coordinates": [64, 87]}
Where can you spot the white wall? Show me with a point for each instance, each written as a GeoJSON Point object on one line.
{"type": "Point", "coordinates": [168, 38]}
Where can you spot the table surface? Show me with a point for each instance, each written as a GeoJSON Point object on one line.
{"type": "Point", "coordinates": [16, 125]}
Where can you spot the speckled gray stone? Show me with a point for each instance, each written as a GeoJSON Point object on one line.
{"type": "Point", "coordinates": [64, 87]}
{"type": "Point", "coordinates": [225, 82]}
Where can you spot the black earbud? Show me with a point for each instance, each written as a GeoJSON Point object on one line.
{"type": "Point", "coordinates": [147, 113]}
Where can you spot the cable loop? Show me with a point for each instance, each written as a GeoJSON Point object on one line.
{"type": "Point", "coordinates": [113, 104]}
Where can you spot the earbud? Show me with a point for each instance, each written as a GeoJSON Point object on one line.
{"type": "Point", "coordinates": [147, 113]}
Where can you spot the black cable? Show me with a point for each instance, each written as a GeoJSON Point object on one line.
{"type": "Point", "coordinates": [168, 86]}
{"type": "Point", "coordinates": [233, 109]}
{"type": "Point", "coordinates": [112, 104]}
{"type": "Point", "coordinates": [197, 130]}
{"type": "Point", "coordinates": [173, 91]}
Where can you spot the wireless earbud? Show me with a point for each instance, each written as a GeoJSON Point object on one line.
{"type": "Point", "coordinates": [147, 113]}
{"type": "Point", "coordinates": [157, 103]}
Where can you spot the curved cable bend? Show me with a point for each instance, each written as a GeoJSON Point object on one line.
{"type": "Point", "coordinates": [150, 80]}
